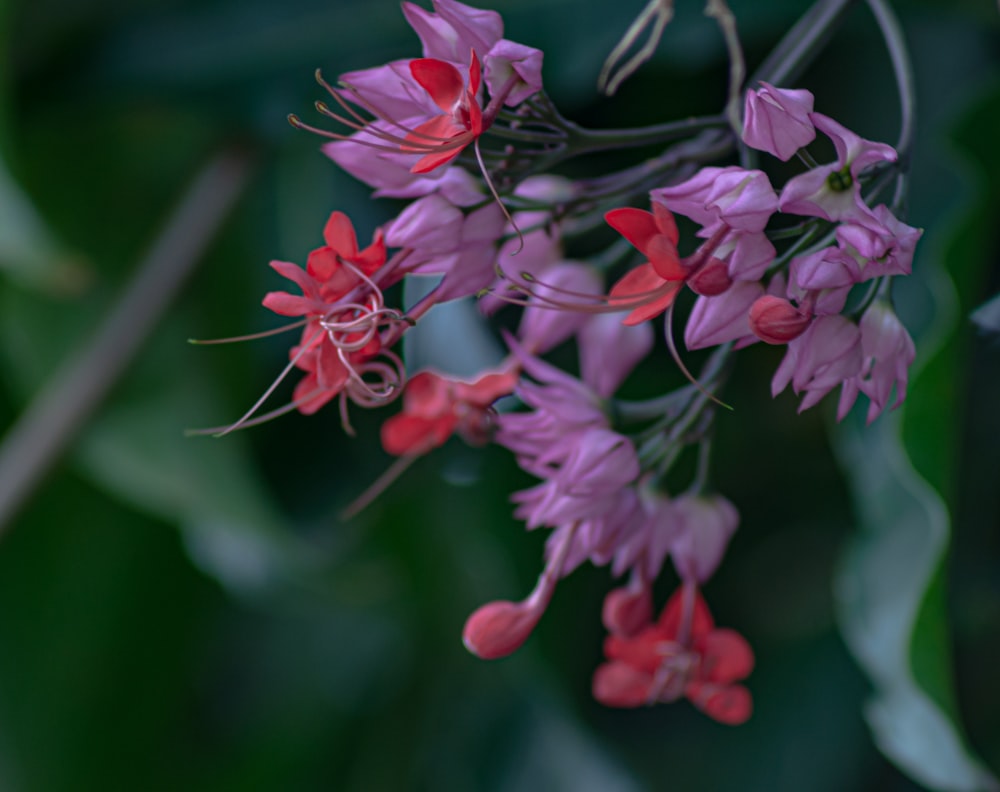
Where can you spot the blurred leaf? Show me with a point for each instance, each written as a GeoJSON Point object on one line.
{"type": "Point", "coordinates": [987, 316]}
{"type": "Point", "coordinates": [882, 583]}
{"type": "Point", "coordinates": [890, 585]}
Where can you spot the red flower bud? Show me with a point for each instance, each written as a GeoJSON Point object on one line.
{"type": "Point", "coordinates": [775, 320]}
{"type": "Point", "coordinates": [711, 279]}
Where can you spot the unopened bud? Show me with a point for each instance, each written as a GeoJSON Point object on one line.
{"type": "Point", "coordinates": [775, 320]}
{"type": "Point", "coordinates": [711, 279]}
{"type": "Point", "coordinates": [499, 628]}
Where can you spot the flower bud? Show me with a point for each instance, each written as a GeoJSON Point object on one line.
{"type": "Point", "coordinates": [710, 279]}
{"type": "Point", "coordinates": [775, 320]}
{"type": "Point", "coordinates": [498, 629]}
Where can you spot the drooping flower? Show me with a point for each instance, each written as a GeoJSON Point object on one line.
{"type": "Point", "coordinates": [435, 407]}
{"type": "Point", "coordinates": [826, 355]}
{"type": "Point", "coordinates": [682, 654]}
{"type": "Point", "coordinates": [776, 120]}
{"type": "Point", "coordinates": [887, 353]}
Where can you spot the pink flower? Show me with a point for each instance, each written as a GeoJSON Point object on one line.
{"type": "Point", "coordinates": [832, 191]}
{"type": "Point", "coordinates": [715, 320]}
{"type": "Point", "coordinates": [705, 525]}
{"type": "Point", "coordinates": [610, 350]}
{"type": "Point", "coordinates": [776, 120]}
{"type": "Point", "coordinates": [682, 654]}
{"type": "Point", "coordinates": [441, 239]}
{"type": "Point", "coordinates": [823, 357]}
{"type": "Point", "coordinates": [543, 328]}
{"type": "Point", "coordinates": [510, 68]}
{"type": "Point", "coordinates": [733, 197]}
{"type": "Point", "coordinates": [887, 352]}
{"type": "Point", "coordinates": [883, 244]}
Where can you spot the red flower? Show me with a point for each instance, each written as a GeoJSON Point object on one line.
{"type": "Point", "coordinates": [331, 271]}
{"type": "Point", "coordinates": [443, 137]}
{"type": "Point", "coordinates": [435, 406]}
{"type": "Point", "coordinates": [682, 654]}
{"type": "Point", "coordinates": [650, 288]}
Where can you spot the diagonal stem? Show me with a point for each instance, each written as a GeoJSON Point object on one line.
{"type": "Point", "coordinates": [48, 425]}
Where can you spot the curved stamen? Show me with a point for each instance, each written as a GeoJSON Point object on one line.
{"type": "Point", "coordinates": [668, 332]}
{"type": "Point", "coordinates": [267, 393]}
{"type": "Point", "coordinates": [260, 419]}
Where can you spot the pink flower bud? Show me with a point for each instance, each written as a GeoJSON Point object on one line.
{"type": "Point", "coordinates": [777, 120]}
{"type": "Point", "coordinates": [775, 320]}
{"type": "Point", "coordinates": [498, 629]}
{"type": "Point", "coordinates": [706, 525]}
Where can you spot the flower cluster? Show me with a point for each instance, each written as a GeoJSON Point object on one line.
{"type": "Point", "coordinates": [468, 136]}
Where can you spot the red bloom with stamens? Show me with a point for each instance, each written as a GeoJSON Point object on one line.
{"type": "Point", "coordinates": [443, 137]}
{"type": "Point", "coordinates": [435, 406]}
{"type": "Point", "coordinates": [682, 654]}
{"type": "Point", "coordinates": [650, 288]}
{"type": "Point", "coordinates": [331, 271]}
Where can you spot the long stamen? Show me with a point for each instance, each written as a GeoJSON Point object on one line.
{"type": "Point", "coordinates": [377, 487]}
{"type": "Point", "coordinates": [250, 336]}
{"type": "Point", "coordinates": [496, 197]}
{"type": "Point", "coordinates": [260, 419]}
{"type": "Point", "coordinates": [680, 363]}
{"type": "Point", "coordinates": [267, 393]}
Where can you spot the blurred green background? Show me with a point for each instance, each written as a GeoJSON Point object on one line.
{"type": "Point", "coordinates": [190, 613]}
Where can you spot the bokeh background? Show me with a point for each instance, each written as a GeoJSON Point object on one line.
{"type": "Point", "coordinates": [190, 613]}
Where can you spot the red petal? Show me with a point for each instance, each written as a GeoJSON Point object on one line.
{"type": "Point", "coordinates": [665, 222]}
{"type": "Point", "coordinates": [662, 254]}
{"type": "Point", "coordinates": [645, 292]}
{"type": "Point", "coordinates": [487, 389]}
{"type": "Point", "coordinates": [475, 75]}
{"type": "Point", "coordinates": [411, 434]}
{"type": "Point", "coordinates": [729, 704]}
{"type": "Point", "coordinates": [308, 385]}
{"type": "Point", "coordinates": [441, 80]}
{"type": "Point", "coordinates": [725, 656]}
{"type": "Point", "coordinates": [673, 612]}
{"type": "Point", "coordinates": [641, 651]}
{"type": "Point", "coordinates": [427, 394]}
{"type": "Point", "coordinates": [619, 685]}
{"type": "Point", "coordinates": [432, 133]}
{"type": "Point", "coordinates": [637, 226]}
{"type": "Point", "coordinates": [322, 264]}
{"type": "Point", "coordinates": [339, 235]}
{"type": "Point", "coordinates": [289, 305]}
{"type": "Point", "coordinates": [298, 276]}
{"type": "Point", "coordinates": [436, 160]}
{"type": "Point", "coordinates": [372, 257]}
